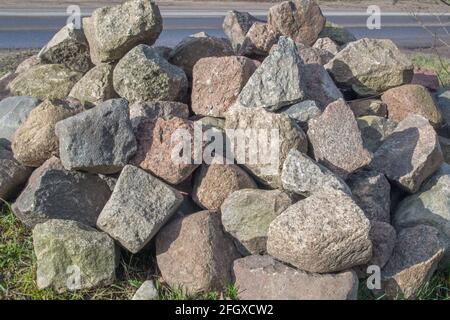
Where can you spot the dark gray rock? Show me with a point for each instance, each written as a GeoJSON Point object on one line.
{"type": "Point", "coordinates": [12, 174]}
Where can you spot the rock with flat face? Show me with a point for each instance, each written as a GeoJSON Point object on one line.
{"type": "Point", "coordinates": [311, 55]}
{"type": "Point", "coordinates": [337, 33]}
{"type": "Point", "coordinates": [383, 237]}
{"type": "Point", "coordinates": [147, 291]}
{"type": "Point", "coordinates": [35, 140]}
{"type": "Point", "coordinates": [72, 256]}
{"type": "Point", "coordinates": [278, 82]}
{"type": "Point", "coordinates": [410, 154]}
{"type": "Point", "coordinates": [370, 66]}
{"type": "Point", "coordinates": [113, 31]}
{"type": "Point", "coordinates": [411, 99]}
{"type": "Point", "coordinates": [69, 47]}
{"type": "Point", "coordinates": [302, 175]}
{"type": "Point", "coordinates": [55, 193]}
{"type": "Point", "coordinates": [12, 174]}
{"type": "Point", "coordinates": [368, 107]}
{"type": "Point", "coordinates": [99, 140]}
{"type": "Point", "coordinates": [301, 20]}
{"type": "Point", "coordinates": [95, 87]}
{"type": "Point", "coordinates": [324, 233]}
{"type": "Point", "coordinates": [13, 112]}
{"type": "Point", "coordinates": [372, 193]}
{"type": "Point", "coordinates": [319, 86]}
{"type": "Point", "coordinates": [28, 63]}
{"type": "Point", "coordinates": [247, 214]}
{"type": "Point", "coordinates": [143, 75]}
{"type": "Point", "coordinates": [217, 82]}
{"type": "Point", "coordinates": [47, 81]}
{"type": "Point", "coordinates": [374, 130]}
{"type": "Point", "coordinates": [337, 141]}
{"type": "Point", "coordinates": [236, 25]}
{"type": "Point", "coordinates": [327, 44]}
{"type": "Point", "coordinates": [279, 135]}
{"type": "Point", "coordinates": [259, 40]}
{"type": "Point", "coordinates": [264, 278]}
{"type": "Point", "coordinates": [302, 112]}
{"type": "Point", "coordinates": [197, 46]}
{"type": "Point", "coordinates": [416, 255]}
{"type": "Point", "coordinates": [139, 206]}
{"type": "Point", "coordinates": [195, 253]}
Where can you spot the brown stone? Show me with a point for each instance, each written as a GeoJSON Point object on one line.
{"type": "Point", "coordinates": [427, 78]}
{"type": "Point", "coordinates": [259, 40]}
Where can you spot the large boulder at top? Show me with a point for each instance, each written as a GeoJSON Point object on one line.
{"type": "Point", "coordinates": [410, 154]}
{"type": "Point", "coordinates": [301, 20]}
{"type": "Point", "coordinates": [416, 255]}
{"type": "Point", "coordinates": [302, 175]}
{"type": "Point", "coordinates": [336, 140]}
{"type": "Point", "coordinates": [69, 47]}
{"type": "Point", "coordinates": [411, 99]}
{"type": "Point", "coordinates": [142, 74]}
{"type": "Point", "coordinates": [374, 130]}
{"type": "Point", "coordinates": [47, 81]}
{"type": "Point", "coordinates": [139, 206]}
{"type": "Point", "coordinates": [337, 33]}
{"type": "Point", "coordinates": [96, 86]}
{"type": "Point", "coordinates": [194, 253]}
{"type": "Point", "coordinates": [280, 133]}
{"type": "Point", "coordinates": [12, 174]}
{"type": "Point", "coordinates": [115, 30]}
{"type": "Point", "coordinates": [278, 82]}
{"type": "Point", "coordinates": [264, 278]}
{"type": "Point", "coordinates": [259, 40]}
{"type": "Point", "coordinates": [13, 112]}
{"type": "Point", "coordinates": [35, 140]}
{"type": "Point", "coordinates": [197, 46]}
{"type": "Point", "coordinates": [247, 214]}
{"type": "Point", "coordinates": [324, 233]}
{"type": "Point", "coordinates": [215, 182]}
{"type": "Point", "coordinates": [72, 256]}
{"type": "Point", "coordinates": [236, 25]}
{"type": "Point", "coordinates": [99, 140]}
{"type": "Point", "coordinates": [157, 140]}
{"type": "Point", "coordinates": [429, 206]}
{"type": "Point", "coordinates": [217, 82]}
{"type": "Point", "coordinates": [370, 66]}
{"type": "Point", "coordinates": [319, 86]}
{"type": "Point", "coordinates": [55, 193]}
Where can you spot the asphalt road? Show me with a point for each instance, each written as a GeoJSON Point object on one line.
{"type": "Point", "coordinates": [33, 28]}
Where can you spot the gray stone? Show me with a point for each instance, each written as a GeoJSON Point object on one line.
{"type": "Point", "coordinates": [99, 140]}
{"type": "Point", "coordinates": [247, 214]}
{"type": "Point", "coordinates": [337, 33]}
{"type": "Point", "coordinates": [442, 98]}
{"type": "Point", "coordinates": [28, 63]}
{"type": "Point", "coordinates": [324, 233]}
{"type": "Point", "coordinates": [263, 278]}
{"type": "Point", "coordinates": [12, 174]}
{"type": "Point", "coordinates": [374, 130]}
{"type": "Point", "coordinates": [139, 206]}
{"type": "Point", "coordinates": [302, 112]}
{"type": "Point", "coordinates": [55, 193]}
{"type": "Point", "coordinates": [72, 256]}
{"type": "Point", "coordinates": [163, 51]}
{"type": "Point", "coordinates": [236, 25]}
{"type": "Point", "coordinates": [143, 75]}
{"type": "Point", "coordinates": [319, 86]}
{"type": "Point", "coordinates": [146, 291]}
{"type": "Point", "coordinates": [368, 107]}
{"type": "Point", "coordinates": [327, 44]}
{"type": "Point", "coordinates": [312, 55]}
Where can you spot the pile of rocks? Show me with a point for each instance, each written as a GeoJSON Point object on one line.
{"type": "Point", "coordinates": [87, 144]}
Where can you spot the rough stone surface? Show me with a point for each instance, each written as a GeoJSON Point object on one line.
{"type": "Point", "coordinates": [215, 182]}
{"type": "Point", "coordinates": [27, 64]}
{"type": "Point", "coordinates": [69, 47]}
{"type": "Point", "coordinates": [324, 233]}
{"type": "Point", "coordinates": [259, 40]}
{"type": "Point", "coordinates": [304, 176]}
{"type": "Point", "coordinates": [247, 214]}
{"type": "Point", "coordinates": [410, 154]}
{"type": "Point", "coordinates": [194, 252]}
{"type": "Point", "coordinates": [427, 78]}
{"type": "Point", "coordinates": [139, 206]}
{"type": "Point", "coordinates": [47, 81]}
{"type": "Point", "coordinates": [302, 112]}
{"type": "Point", "coordinates": [35, 140]}
{"type": "Point", "coordinates": [301, 20]}
{"type": "Point", "coordinates": [115, 30]}
{"type": "Point", "coordinates": [370, 66]}
{"type": "Point", "coordinates": [445, 146]}
{"type": "Point", "coordinates": [197, 46]}
{"type": "Point", "coordinates": [383, 237]}
{"type": "Point", "coordinates": [13, 112]}
{"type": "Point", "coordinates": [290, 136]}
{"type": "Point", "coordinates": [411, 99]}
{"type": "Point", "coordinates": [147, 291]}
{"type": "Point", "coordinates": [374, 130]}
{"type": "Point", "coordinates": [337, 141]}
{"type": "Point", "coordinates": [99, 140]}
{"type": "Point", "coordinates": [337, 33]}
{"type": "Point", "coordinates": [278, 82]}
{"type": "Point", "coordinates": [442, 97]}
{"type": "Point", "coordinates": [95, 87]}
{"type": "Point", "coordinates": [319, 86]}
{"type": "Point", "coordinates": [236, 25]}
{"type": "Point", "coordinates": [372, 193]}
{"type": "Point", "coordinates": [55, 193]}
{"type": "Point", "coordinates": [311, 55]}
{"type": "Point", "coordinates": [12, 174]}
{"type": "Point", "coordinates": [64, 248]}
{"type": "Point", "coordinates": [327, 44]}
{"type": "Point", "coordinates": [5, 81]}
{"type": "Point", "coordinates": [368, 107]}
{"type": "Point", "coordinates": [263, 278]}
{"type": "Point", "coordinates": [416, 255]}
{"type": "Point", "coordinates": [217, 82]}
{"type": "Point", "coordinates": [143, 75]}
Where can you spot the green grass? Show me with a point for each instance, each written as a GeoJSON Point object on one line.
{"type": "Point", "coordinates": [433, 62]}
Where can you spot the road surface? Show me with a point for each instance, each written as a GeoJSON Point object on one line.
{"type": "Point", "coordinates": [33, 28]}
